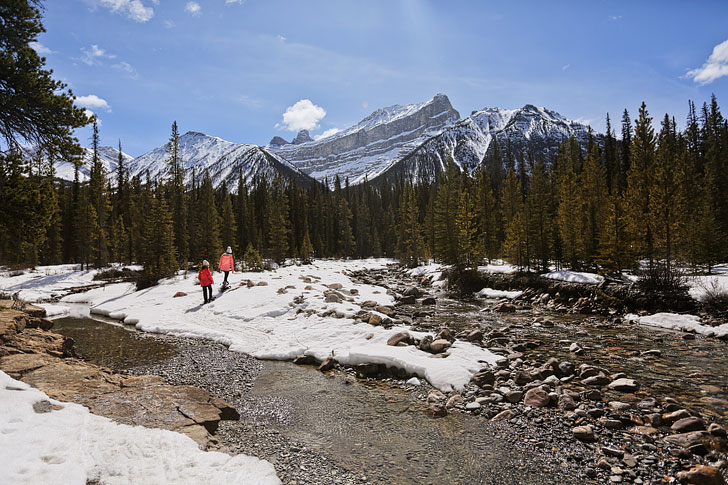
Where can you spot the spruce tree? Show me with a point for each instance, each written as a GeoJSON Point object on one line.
{"type": "Point", "coordinates": [229, 228]}
{"type": "Point", "coordinates": [410, 244]}
{"type": "Point", "coordinates": [594, 193]}
{"type": "Point", "coordinates": [487, 215]}
{"type": "Point", "coordinates": [207, 222]}
{"type": "Point", "coordinates": [160, 260]}
{"type": "Point", "coordinates": [99, 197]}
{"type": "Point", "coordinates": [178, 196]}
{"type": "Point", "coordinates": [446, 208]}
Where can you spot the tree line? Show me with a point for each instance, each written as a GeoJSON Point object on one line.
{"type": "Point", "coordinates": [658, 196]}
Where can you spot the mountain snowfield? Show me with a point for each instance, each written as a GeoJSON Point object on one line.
{"type": "Point", "coordinates": [109, 157]}
{"type": "Point", "coordinates": [372, 145]}
{"type": "Point", "coordinates": [413, 141]}
{"type": "Point", "coordinates": [225, 161]}
{"type": "Point", "coordinates": [530, 129]}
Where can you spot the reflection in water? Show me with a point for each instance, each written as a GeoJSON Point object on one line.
{"type": "Point", "coordinates": [112, 345]}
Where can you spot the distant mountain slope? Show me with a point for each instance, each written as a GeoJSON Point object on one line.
{"type": "Point", "coordinates": [529, 129]}
{"type": "Point", "coordinates": [224, 160]}
{"type": "Point", "coordinates": [372, 145]}
{"type": "Point", "coordinates": [109, 158]}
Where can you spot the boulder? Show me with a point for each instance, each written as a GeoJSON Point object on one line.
{"type": "Point", "coordinates": [536, 398]}
{"type": "Point", "coordinates": [439, 345]}
{"type": "Point", "coordinates": [624, 385]}
{"type": "Point", "coordinates": [398, 337]}
{"type": "Point", "coordinates": [685, 425]}
{"type": "Point", "coordinates": [583, 433]}
{"type": "Point", "coordinates": [701, 475]}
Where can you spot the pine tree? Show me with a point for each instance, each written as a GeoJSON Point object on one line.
{"type": "Point", "coordinates": [251, 259]}
{"type": "Point", "coordinates": [445, 213]}
{"type": "Point", "coordinates": [410, 244]}
{"type": "Point", "coordinates": [466, 236]}
{"type": "Point", "coordinates": [639, 181]}
{"type": "Point", "coordinates": [160, 260]}
{"type": "Point", "coordinates": [207, 222]}
{"type": "Point", "coordinates": [626, 157]}
{"type": "Point", "coordinates": [540, 215]}
{"type": "Point", "coordinates": [614, 245]}
{"type": "Point", "coordinates": [178, 196]}
{"type": "Point", "coordinates": [570, 218]}
{"type": "Point", "coordinates": [487, 216]}
{"type": "Point", "coordinates": [99, 198]}
{"type": "Point", "coordinates": [306, 252]}
{"type": "Point", "coordinates": [594, 195]}
{"type": "Point", "coordinates": [229, 227]}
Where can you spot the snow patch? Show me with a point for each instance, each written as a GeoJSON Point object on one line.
{"type": "Point", "coordinates": [575, 277]}
{"type": "Point", "coordinates": [675, 321]}
{"type": "Point", "coordinates": [491, 293]}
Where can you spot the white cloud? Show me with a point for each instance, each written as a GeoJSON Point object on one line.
{"type": "Point", "coordinates": [565, 67]}
{"type": "Point", "coordinates": [127, 68]}
{"type": "Point", "coordinates": [329, 132]}
{"type": "Point", "coordinates": [93, 54]}
{"type": "Point", "coordinates": [249, 101]}
{"type": "Point", "coordinates": [169, 24]}
{"type": "Point", "coordinates": [614, 18]}
{"type": "Point", "coordinates": [134, 9]}
{"type": "Point", "coordinates": [281, 38]}
{"type": "Point", "coordinates": [40, 49]}
{"type": "Point", "coordinates": [193, 8]}
{"type": "Point", "coordinates": [231, 2]}
{"type": "Point", "coordinates": [304, 115]}
{"type": "Point", "coordinates": [93, 101]}
{"type": "Point", "coordinates": [714, 68]}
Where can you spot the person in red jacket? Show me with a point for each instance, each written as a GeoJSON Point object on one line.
{"type": "Point", "coordinates": [227, 264]}
{"type": "Point", "coordinates": [206, 282]}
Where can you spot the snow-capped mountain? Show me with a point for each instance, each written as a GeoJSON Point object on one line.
{"type": "Point", "coordinates": [372, 145]}
{"type": "Point", "coordinates": [109, 159]}
{"type": "Point", "coordinates": [224, 160]}
{"type": "Point", "coordinates": [530, 130]}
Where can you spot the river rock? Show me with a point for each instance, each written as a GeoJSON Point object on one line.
{"type": "Point", "coordinates": [439, 345]}
{"type": "Point", "coordinates": [566, 402]}
{"type": "Point", "coordinates": [576, 348]}
{"type": "Point", "coordinates": [583, 433]}
{"type": "Point", "coordinates": [412, 291]}
{"type": "Point", "coordinates": [686, 440]}
{"type": "Point", "coordinates": [333, 297]}
{"type": "Point", "coordinates": [514, 396]}
{"type": "Point", "coordinates": [624, 385]}
{"type": "Point", "coordinates": [475, 336]}
{"type": "Point", "coordinates": [536, 398]}
{"type": "Point", "coordinates": [505, 307]}
{"type": "Point", "coordinates": [424, 344]}
{"type": "Point", "coordinates": [375, 319]}
{"type": "Point", "coordinates": [454, 400]}
{"type": "Point", "coordinates": [684, 425]}
{"type": "Point", "coordinates": [435, 396]}
{"type": "Point", "coordinates": [701, 475]}
{"type": "Point", "coordinates": [596, 381]}
{"type": "Point", "coordinates": [717, 430]}
{"type": "Point", "coordinates": [566, 368]}
{"type": "Point", "coordinates": [483, 377]}
{"type": "Point", "coordinates": [428, 301]}
{"type": "Point", "coordinates": [669, 418]}
{"type": "Point", "coordinates": [305, 360]}
{"type": "Point", "coordinates": [505, 415]}
{"type": "Point", "coordinates": [522, 378]}
{"type": "Point", "coordinates": [472, 406]}
{"type": "Point", "coordinates": [618, 406]}
{"type": "Point", "coordinates": [398, 337]}
{"type": "Point", "coordinates": [335, 286]}
{"type": "Point", "coordinates": [408, 300]}
{"type": "Point", "coordinates": [436, 410]}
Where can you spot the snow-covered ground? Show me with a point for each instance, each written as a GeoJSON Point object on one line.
{"type": "Point", "coordinates": [498, 267]}
{"type": "Point", "coordinates": [72, 446]}
{"type": "Point", "coordinates": [575, 277]}
{"type": "Point", "coordinates": [675, 321]}
{"type": "Point", "coordinates": [279, 318]}
{"type": "Point", "coordinates": [717, 282]}
{"type": "Point", "coordinates": [493, 294]}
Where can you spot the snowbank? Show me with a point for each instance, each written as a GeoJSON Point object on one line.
{"type": "Point", "coordinates": [700, 286]}
{"type": "Point", "coordinates": [46, 282]}
{"type": "Point", "coordinates": [498, 267]}
{"type": "Point", "coordinates": [53, 310]}
{"type": "Point", "coordinates": [675, 321]}
{"type": "Point", "coordinates": [575, 277]}
{"type": "Point", "coordinates": [286, 314]}
{"type": "Point", "coordinates": [491, 293]}
{"type": "Point", "coordinates": [71, 445]}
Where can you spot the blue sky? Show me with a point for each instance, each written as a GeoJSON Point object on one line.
{"type": "Point", "coordinates": [232, 68]}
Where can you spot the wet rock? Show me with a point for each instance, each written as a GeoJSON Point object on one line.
{"type": "Point", "coordinates": [566, 368]}
{"type": "Point", "coordinates": [475, 336]}
{"type": "Point", "coordinates": [669, 418]}
{"type": "Point", "coordinates": [439, 345]}
{"type": "Point", "coordinates": [412, 291]}
{"type": "Point", "coordinates": [597, 380]}
{"type": "Point", "coordinates": [591, 395]}
{"type": "Point", "coordinates": [701, 475]}
{"type": "Point", "coordinates": [385, 310]}
{"type": "Point", "coordinates": [435, 396]}
{"type": "Point", "coordinates": [629, 460]}
{"type": "Point", "coordinates": [583, 433]}
{"type": "Point", "coordinates": [618, 407]}
{"type": "Point", "coordinates": [613, 452]}
{"type": "Point", "coordinates": [428, 301]}
{"type": "Point", "coordinates": [576, 349]}
{"type": "Point", "coordinates": [536, 398]}
{"type": "Point", "coordinates": [505, 307]}
{"type": "Point", "coordinates": [367, 370]}
{"type": "Point", "coordinates": [522, 378]}
{"type": "Point", "coordinates": [643, 430]}
{"type": "Point", "coordinates": [610, 423]}
{"type": "Point", "coordinates": [398, 337]}
{"type": "Point", "coordinates": [686, 440]}
{"type": "Point", "coordinates": [685, 425]}
{"type": "Point", "coordinates": [624, 385]}
{"type": "Point", "coordinates": [717, 430]}
{"type": "Point", "coordinates": [408, 300]}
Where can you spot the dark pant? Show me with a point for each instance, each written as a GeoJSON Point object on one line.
{"type": "Point", "coordinates": [205, 291]}
{"type": "Point", "coordinates": [226, 275]}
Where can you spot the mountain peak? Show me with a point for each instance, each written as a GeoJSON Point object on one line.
{"type": "Point", "coordinates": [302, 137]}
{"type": "Point", "coordinates": [277, 141]}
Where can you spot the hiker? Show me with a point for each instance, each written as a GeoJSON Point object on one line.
{"type": "Point", "coordinates": [227, 264]}
{"type": "Point", "coordinates": [206, 282]}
